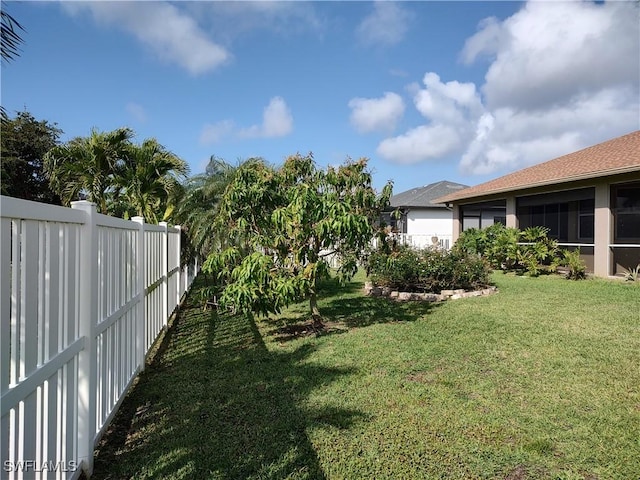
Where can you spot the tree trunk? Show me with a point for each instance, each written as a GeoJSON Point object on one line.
{"type": "Point", "coordinates": [315, 313]}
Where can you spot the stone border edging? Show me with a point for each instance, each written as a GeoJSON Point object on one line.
{"type": "Point", "coordinates": [444, 295]}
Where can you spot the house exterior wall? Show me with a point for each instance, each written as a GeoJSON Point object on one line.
{"type": "Point", "coordinates": [605, 254]}
{"type": "Point", "coordinates": [429, 221]}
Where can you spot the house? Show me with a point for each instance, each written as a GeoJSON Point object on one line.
{"type": "Point", "coordinates": [589, 199]}
{"type": "Point", "coordinates": [419, 219]}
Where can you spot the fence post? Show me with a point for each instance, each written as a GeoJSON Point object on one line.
{"type": "Point", "coordinates": [141, 277]}
{"type": "Point", "coordinates": [88, 310]}
{"type": "Point", "coordinates": [165, 272]}
{"type": "Point", "coordinates": [179, 289]}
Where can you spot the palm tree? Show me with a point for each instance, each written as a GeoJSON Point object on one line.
{"type": "Point", "coordinates": [11, 39]}
{"type": "Point", "coordinates": [198, 206]}
{"type": "Point", "coordinates": [148, 181]}
{"type": "Point", "coordinates": [88, 166]}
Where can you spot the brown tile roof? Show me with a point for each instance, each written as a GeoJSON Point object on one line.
{"type": "Point", "coordinates": [619, 155]}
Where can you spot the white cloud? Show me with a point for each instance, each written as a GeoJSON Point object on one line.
{"type": "Point", "coordinates": [450, 108]}
{"type": "Point", "coordinates": [214, 133]}
{"type": "Point", "coordinates": [166, 30]}
{"type": "Point", "coordinates": [376, 114]}
{"type": "Point", "coordinates": [451, 102]}
{"type": "Point", "coordinates": [562, 76]}
{"type": "Point", "coordinates": [277, 121]}
{"type": "Point", "coordinates": [386, 25]}
{"type": "Point", "coordinates": [549, 51]}
{"type": "Point", "coordinates": [516, 137]}
{"type": "Point", "coordinates": [136, 111]}
{"type": "Point", "coordinates": [231, 20]}
{"type": "Point", "coordinates": [419, 144]}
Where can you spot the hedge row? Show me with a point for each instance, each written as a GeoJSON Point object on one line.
{"type": "Point", "coordinates": [429, 270]}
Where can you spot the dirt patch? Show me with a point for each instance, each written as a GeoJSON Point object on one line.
{"type": "Point", "coordinates": [426, 376]}
{"type": "Point", "coordinates": [300, 330]}
{"type": "Point", "coordinates": [518, 473]}
{"type": "Point", "coordinates": [524, 472]}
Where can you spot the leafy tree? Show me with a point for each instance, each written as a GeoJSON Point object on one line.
{"type": "Point", "coordinates": [282, 224]}
{"type": "Point", "coordinates": [197, 209]}
{"type": "Point", "coordinates": [24, 143]}
{"type": "Point", "coordinates": [88, 166]}
{"type": "Point", "coordinates": [147, 181]}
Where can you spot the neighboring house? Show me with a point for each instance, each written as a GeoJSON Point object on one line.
{"type": "Point", "coordinates": [419, 219]}
{"type": "Point", "coordinates": [589, 199]}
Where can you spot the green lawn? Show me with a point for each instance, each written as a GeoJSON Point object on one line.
{"type": "Point", "coordinates": [541, 380]}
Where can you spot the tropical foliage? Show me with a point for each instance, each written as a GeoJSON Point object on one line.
{"type": "Point", "coordinates": [122, 178]}
{"type": "Point", "coordinates": [281, 226]}
{"type": "Point", "coordinates": [89, 166]}
{"type": "Point", "coordinates": [198, 207]}
{"type": "Point", "coordinates": [10, 33]}
{"type": "Point", "coordinates": [147, 181]}
{"type": "Point", "coordinates": [576, 269]}
{"type": "Point", "coordinates": [528, 251]}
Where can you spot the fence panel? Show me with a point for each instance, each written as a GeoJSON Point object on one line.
{"type": "Point", "coordinates": [155, 281]}
{"type": "Point", "coordinates": [173, 269]}
{"type": "Point", "coordinates": [117, 325]}
{"type": "Point", "coordinates": [39, 339]}
{"type": "Point", "coordinates": [83, 296]}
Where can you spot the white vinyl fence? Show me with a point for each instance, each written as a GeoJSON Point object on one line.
{"type": "Point", "coordinates": [443, 242]}
{"type": "Point", "coordinates": [423, 240]}
{"type": "Point", "coordinates": [83, 296]}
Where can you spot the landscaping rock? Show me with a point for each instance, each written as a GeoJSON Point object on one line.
{"type": "Point", "coordinates": [425, 297]}
{"type": "Point", "coordinates": [375, 291]}
{"type": "Point", "coordinates": [431, 297]}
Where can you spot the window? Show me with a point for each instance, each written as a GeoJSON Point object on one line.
{"type": "Point", "coordinates": [586, 219]}
{"type": "Point", "coordinates": [568, 214]}
{"type": "Point", "coordinates": [482, 215]}
{"type": "Point", "coordinates": [553, 216]}
{"type": "Point", "coordinates": [627, 213]}
{"type": "Point", "coordinates": [469, 221]}
{"type": "Point", "coordinates": [502, 220]}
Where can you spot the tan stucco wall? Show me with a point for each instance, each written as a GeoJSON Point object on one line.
{"type": "Point", "coordinates": [512, 219]}
{"type": "Point", "coordinates": [602, 231]}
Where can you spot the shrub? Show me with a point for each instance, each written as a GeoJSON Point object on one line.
{"type": "Point", "coordinates": [633, 274]}
{"type": "Point", "coordinates": [398, 269]}
{"type": "Point", "coordinates": [577, 269]}
{"type": "Point", "coordinates": [480, 241]}
{"type": "Point", "coordinates": [428, 270]}
{"type": "Point", "coordinates": [530, 251]}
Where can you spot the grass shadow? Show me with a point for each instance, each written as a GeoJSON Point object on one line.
{"type": "Point", "coordinates": [216, 403]}
{"type": "Point", "coordinates": [344, 307]}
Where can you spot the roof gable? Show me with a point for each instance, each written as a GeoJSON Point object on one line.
{"type": "Point", "coordinates": [425, 196]}
{"type": "Point", "coordinates": [619, 155]}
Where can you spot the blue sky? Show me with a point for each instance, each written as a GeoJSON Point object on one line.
{"type": "Point", "coordinates": [462, 91]}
